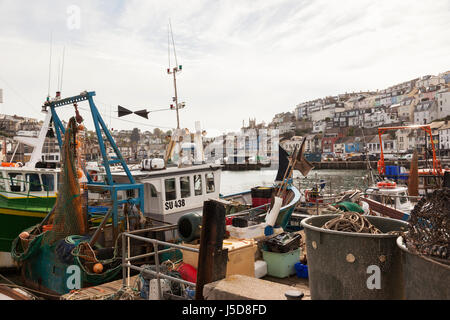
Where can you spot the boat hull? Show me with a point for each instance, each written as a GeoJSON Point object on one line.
{"type": "Point", "coordinates": [12, 222]}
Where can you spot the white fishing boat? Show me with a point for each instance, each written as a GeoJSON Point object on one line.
{"type": "Point", "coordinates": [389, 199]}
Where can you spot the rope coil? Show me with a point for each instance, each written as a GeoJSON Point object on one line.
{"type": "Point", "coordinates": [351, 222]}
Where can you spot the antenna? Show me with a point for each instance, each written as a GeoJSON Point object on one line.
{"type": "Point", "coordinates": [173, 42]}
{"type": "Point", "coordinates": [50, 64]}
{"type": "Point", "coordinates": [59, 74]}
{"type": "Point", "coordinates": [177, 68]}
{"type": "Point", "coordinates": [168, 42]}
{"type": "Point", "coordinates": [62, 68]}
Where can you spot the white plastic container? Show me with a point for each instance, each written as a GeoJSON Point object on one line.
{"type": "Point", "coordinates": [153, 288]}
{"type": "Point", "coordinates": [260, 269]}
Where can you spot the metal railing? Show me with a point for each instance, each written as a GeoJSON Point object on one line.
{"type": "Point", "coordinates": [127, 259]}
{"type": "Point", "coordinates": [27, 190]}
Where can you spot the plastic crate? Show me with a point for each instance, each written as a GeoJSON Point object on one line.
{"type": "Point", "coordinates": [281, 265]}
{"type": "Point", "coordinates": [284, 242]}
{"type": "Point", "coordinates": [302, 270]}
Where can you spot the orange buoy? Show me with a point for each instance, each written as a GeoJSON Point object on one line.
{"type": "Point", "coordinates": [48, 227]}
{"type": "Point", "coordinates": [98, 268]}
{"type": "Point", "coordinates": [24, 235]}
{"type": "Point", "coordinates": [80, 174]}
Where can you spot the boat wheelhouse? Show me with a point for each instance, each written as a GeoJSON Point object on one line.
{"type": "Point", "coordinates": [396, 197]}
{"type": "Point", "coordinates": [172, 192]}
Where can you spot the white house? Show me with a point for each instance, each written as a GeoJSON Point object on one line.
{"type": "Point", "coordinates": [427, 81]}
{"type": "Point", "coordinates": [443, 103]}
{"type": "Point", "coordinates": [406, 140]}
{"type": "Point", "coordinates": [444, 137]}
{"type": "Point", "coordinates": [425, 112]}
{"type": "Point", "coordinates": [319, 126]}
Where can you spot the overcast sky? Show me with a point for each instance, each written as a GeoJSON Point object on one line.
{"type": "Point", "coordinates": [241, 59]}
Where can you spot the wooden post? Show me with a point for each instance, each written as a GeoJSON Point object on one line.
{"type": "Point", "coordinates": [212, 259]}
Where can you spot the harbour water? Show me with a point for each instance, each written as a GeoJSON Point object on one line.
{"type": "Point", "coordinates": [336, 180]}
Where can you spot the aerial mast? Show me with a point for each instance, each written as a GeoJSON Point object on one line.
{"type": "Point", "coordinates": [174, 71]}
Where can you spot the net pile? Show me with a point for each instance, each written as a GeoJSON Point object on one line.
{"type": "Point", "coordinates": [351, 222]}
{"type": "Point", "coordinates": [68, 216]}
{"type": "Point", "coordinates": [67, 241]}
{"type": "Point", "coordinates": [429, 226]}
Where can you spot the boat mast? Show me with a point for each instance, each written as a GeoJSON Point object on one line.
{"type": "Point", "coordinates": [177, 68]}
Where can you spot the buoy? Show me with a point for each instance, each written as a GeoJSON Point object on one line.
{"type": "Point", "coordinates": [48, 227]}
{"type": "Point", "coordinates": [80, 174]}
{"type": "Point", "coordinates": [24, 235]}
{"type": "Point", "coordinates": [98, 268]}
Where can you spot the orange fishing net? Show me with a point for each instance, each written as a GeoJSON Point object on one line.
{"type": "Point", "coordinates": [69, 215]}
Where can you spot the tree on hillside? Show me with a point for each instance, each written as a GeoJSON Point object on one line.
{"type": "Point", "coordinates": [135, 137]}
{"type": "Point", "coordinates": [157, 132]}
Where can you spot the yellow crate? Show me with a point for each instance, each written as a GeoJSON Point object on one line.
{"type": "Point", "coordinates": [241, 256]}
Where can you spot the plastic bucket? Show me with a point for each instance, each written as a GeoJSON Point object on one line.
{"type": "Point", "coordinates": [346, 266]}
{"type": "Point", "coordinates": [425, 279]}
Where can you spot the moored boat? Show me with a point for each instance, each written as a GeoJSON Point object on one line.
{"type": "Point", "coordinates": [27, 194]}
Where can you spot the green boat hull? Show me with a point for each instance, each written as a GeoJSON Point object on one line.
{"type": "Point", "coordinates": [17, 215]}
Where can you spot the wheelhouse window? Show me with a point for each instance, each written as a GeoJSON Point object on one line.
{"type": "Point", "coordinates": [403, 198]}
{"type": "Point", "coordinates": [210, 186]}
{"type": "Point", "coordinates": [48, 182]}
{"type": "Point", "coordinates": [185, 187]}
{"type": "Point", "coordinates": [198, 185]}
{"type": "Point", "coordinates": [171, 193]}
{"type": "Point", "coordinates": [33, 182]}
{"type": "Point", "coordinates": [16, 182]}
{"type": "Point", "coordinates": [153, 192]}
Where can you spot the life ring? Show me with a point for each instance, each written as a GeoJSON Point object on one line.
{"type": "Point", "coordinates": [10, 165]}
{"type": "Point", "coordinates": [387, 185]}
{"type": "Point", "coordinates": [94, 175]}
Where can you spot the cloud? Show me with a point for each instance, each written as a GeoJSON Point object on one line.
{"type": "Point", "coordinates": [242, 59]}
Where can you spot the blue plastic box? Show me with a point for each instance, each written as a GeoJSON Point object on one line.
{"type": "Point", "coordinates": [302, 270]}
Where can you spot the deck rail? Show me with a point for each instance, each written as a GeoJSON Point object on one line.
{"type": "Point", "coordinates": [44, 187]}
{"type": "Point", "coordinates": [127, 258]}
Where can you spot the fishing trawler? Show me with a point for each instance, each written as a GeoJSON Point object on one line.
{"type": "Point", "coordinates": [27, 193]}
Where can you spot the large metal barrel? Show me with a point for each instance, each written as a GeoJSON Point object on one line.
{"type": "Point", "coordinates": [425, 279]}
{"type": "Point", "coordinates": [360, 266]}
{"type": "Point", "coordinates": [189, 226]}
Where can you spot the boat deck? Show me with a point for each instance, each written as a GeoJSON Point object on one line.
{"type": "Point", "coordinates": [101, 292]}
